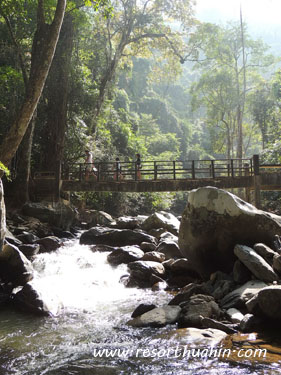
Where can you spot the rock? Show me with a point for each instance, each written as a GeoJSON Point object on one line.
{"type": "Point", "coordinates": [27, 238]}
{"type": "Point", "coordinates": [62, 233]}
{"type": "Point", "coordinates": [241, 295]}
{"type": "Point", "coordinates": [214, 221]}
{"type": "Point", "coordinates": [182, 265]}
{"type": "Point", "coordinates": [197, 307]}
{"type": "Point", "coordinates": [235, 315]}
{"type": "Point", "coordinates": [57, 214]}
{"type": "Point", "coordinates": [188, 291]}
{"type": "Point", "coordinates": [276, 263]}
{"type": "Point", "coordinates": [127, 222]}
{"type": "Point", "coordinates": [154, 256]}
{"type": "Point", "coordinates": [29, 300]}
{"type": "Point", "coordinates": [241, 274]}
{"type": "Point", "coordinates": [211, 323]}
{"type": "Point", "coordinates": [35, 226]}
{"type": "Point", "coordinates": [125, 255]}
{"type": "Point", "coordinates": [141, 309]}
{"type": "Point", "coordinates": [14, 266]}
{"type": "Point", "coordinates": [11, 239]}
{"type": "Point", "coordinates": [170, 249]}
{"type": "Point", "coordinates": [255, 263]}
{"type": "Point", "coordinates": [222, 288]}
{"type": "Point", "coordinates": [180, 280]}
{"type": "Point", "coordinates": [114, 237]}
{"type": "Point", "coordinates": [269, 301]}
{"type": "Point", "coordinates": [144, 274]}
{"type": "Point", "coordinates": [167, 236]}
{"type": "Point", "coordinates": [103, 248]}
{"type": "Point", "coordinates": [2, 216]}
{"type": "Point", "coordinates": [249, 323]}
{"type": "Point", "coordinates": [265, 252]}
{"type": "Point", "coordinates": [99, 218]}
{"type": "Point", "coordinates": [29, 250]}
{"type": "Point", "coordinates": [49, 244]}
{"type": "Point", "coordinates": [147, 246]}
{"type": "Point", "coordinates": [198, 338]}
{"type": "Point", "coordinates": [161, 219]}
{"type": "Point", "coordinates": [158, 317]}
{"type": "Point", "coordinates": [157, 232]}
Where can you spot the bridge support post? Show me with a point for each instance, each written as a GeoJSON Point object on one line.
{"type": "Point", "coordinates": [257, 180]}
{"type": "Point", "coordinates": [247, 189]}
{"type": "Point", "coordinates": [58, 181]}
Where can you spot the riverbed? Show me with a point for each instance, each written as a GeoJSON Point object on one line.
{"type": "Point", "coordinates": [88, 334]}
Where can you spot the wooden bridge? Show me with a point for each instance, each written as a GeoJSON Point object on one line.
{"type": "Point", "coordinates": [161, 176]}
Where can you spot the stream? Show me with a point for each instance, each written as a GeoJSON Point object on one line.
{"type": "Point", "coordinates": [88, 334]}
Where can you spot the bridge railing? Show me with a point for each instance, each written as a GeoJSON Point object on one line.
{"type": "Point", "coordinates": [158, 170]}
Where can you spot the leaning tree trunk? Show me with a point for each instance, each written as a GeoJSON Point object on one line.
{"type": "Point", "coordinates": [57, 89]}
{"type": "Point", "coordinates": [44, 45]}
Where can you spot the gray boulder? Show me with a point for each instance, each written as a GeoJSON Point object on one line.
{"type": "Point", "coordinates": [14, 266]}
{"type": "Point", "coordinates": [269, 301]}
{"type": "Point", "coordinates": [158, 317]}
{"type": "Point", "coordinates": [125, 255]}
{"type": "Point", "coordinates": [265, 252]}
{"type": "Point", "coordinates": [255, 263]}
{"type": "Point", "coordinates": [29, 250]}
{"type": "Point", "coordinates": [127, 222]}
{"type": "Point", "coordinates": [241, 274]}
{"type": "Point", "coordinates": [161, 219]}
{"type": "Point", "coordinates": [170, 249]}
{"type": "Point", "coordinates": [147, 246]}
{"type": "Point", "coordinates": [154, 256]}
{"type": "Point", "coordinates": [144, 274]}
{"type": "Point", "coordinates": [114, 237]}
{"type": "Point", "coordinates": [214, 221]}
{"type": "Point", "coordinates": [30, 300]}
{"type": "Point", "coordinates": [276, 263]}
{"type": "Point", "coordinates": [186, 292]}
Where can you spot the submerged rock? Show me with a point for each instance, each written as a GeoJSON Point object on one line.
{"type": "Point", "coordinates": [214, 221]}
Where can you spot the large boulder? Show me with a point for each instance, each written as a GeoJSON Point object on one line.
{"type": "Point", "coordinates": [14, 266]}
{"type": "Point", "coordinates": [125, 255]}
{"type": "Point", "coordinates": [2, 216]}
{"type": "Point", "coordinates": [114, 237]}
{"type": "Point", "coordinates": [158, 317]}
{"type": "Point", "coordinates": [162, 219]}
{"type": "Point", "coordinates": [144, 274]}
{"type": "Point", "coordinates": [28, 299]}
{"type": "Point", "coordinates": [95, 217]}
{"type": "Point", "coordinates": [255, 263]}
{"type": "Point", "coordinates": [57, 214]}
{"type": "Point", "coordinates": [214, 221]}
{"type": "Point", "coordinates": [269, 301]}
{"type": "Point", "coordinates": [170, 249]}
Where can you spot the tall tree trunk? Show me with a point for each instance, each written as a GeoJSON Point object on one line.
{"type": "Point", "coordinates": [57, 88]}
{"type": "Point", "coordinates": [44, 45]}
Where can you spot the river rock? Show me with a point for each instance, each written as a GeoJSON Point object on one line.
{"type": "Point", "coordinates": [29, 300]}
{"type": "Point", "coordinates": [142, 308]}
{"type": "Point", "coordinates": [57, 214]}
{"type": "Point", "coordinates": [255, 263]}
{"type": "Point", "coordinates": [103, 248]}
{"type": "Point", "coordinates": [14, 266]}
{"type": "Point", "coordinates": [235, 315]}
{"type": "Point", "coordinates": [241, 274]}
{"type": "Point", "coordinates": [157, 232]}
{"type": "Point", "coordinates": [188, 291]}
{"type": "Point", "coordinates": [27, 238]}
{"type": "Point", "coordinates": [269, 301]}
{"type": "Point", "coordinates": [127, 222]}
{"type": "Point", "coordinates": [238, 297]}
{"type": "Point", "coordinates": [158, 317]}
{"type": "Point", "coordinates": [49, 244]}
{"type": "Point", "coordinates": [144, 274]}
{"type": "Point", "coordinates": [181, 265]}
{"type": "Point", "coordinates": [154, 256]}
{"type": "Point", "coordinates": [276, 263]}
{"type": "Point", "coordinates": [196, 338]}
{"type": "Point", "coordinates": [162, 219]}
{"type": "Point", "coordinates": [99, 218]}
{"type": "Point", "coordinates": [147, 246]}
{"type": "Point", "coordinates": [125, 255]}
{"type": "Point", "coordinates": [29, 250]}
{"type": "Point", "coordinates": [250, 323]}
{"type": "Point", "coordinates": [11, 239]}
{"type": "Point", "coordinates": [214, 221]}
{"type": "Point", "coordinates": [212, 323]}
{"type": "Point", "coordinates": [167, 236]}
{"type": "Point", "coordinates": [170, 249]}
{"type": "Point", "coordinates": [114, 237]}
{"type": "Point", "coordinates": [265, 252]}
{"type": "Point", "coordinates": [2, 216]}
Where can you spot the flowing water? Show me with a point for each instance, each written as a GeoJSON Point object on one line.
{"type": "Point", "coordinates": [92, 309]}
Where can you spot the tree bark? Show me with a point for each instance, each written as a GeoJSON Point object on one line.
{"type": "Point", "coordinates": [44, 45]}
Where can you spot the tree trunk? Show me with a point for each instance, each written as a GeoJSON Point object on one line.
{"type": "Point", "coordinates": [44, 45]}
{"type": "Point", "coordinates": [57, 89]}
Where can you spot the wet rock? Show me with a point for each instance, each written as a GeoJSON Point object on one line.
{"type": "Point", "coordinates": [62, 233]}
{"type": "Point", "coordinates": [276, 263]}
{"type": "Point", "coordinates": [11, 239]}
{"type": "Point", "coordinates": [255, 263]}
{"type": "Point", "coordinates": [269, 301]}
{"type": "Point", "coordinates": [170, 249]}
{"type": "Point", "coordinates": [142, 308]}
{"type": "Point", "coordinates": [29, 300]}
{"type": "Point", "coordinates": [49, 244]}
{"type": "Point", "coordinates": [29, 250]}
{"type": "Point", "coordinates": [2, 216]}
{"type": "Point", "coordinates": [235, 315]}
{"type": "Point", "coordinates": [238, 297]}
{"type": "Point", "coordinates": [214, 221]}
{"type": "Point", "coordinates": [27, 238]}
{"type": "Point", "coordinates": [57, 214]}
{"type": "Point", "coordinates": [250, 323]}
{"type": "Point", "coordinates": [114, 237]}
{"type": "Point", "coordinates": [188, 291]}
{"type": "Point", "coordinates": [14, 266]}
{"type": "Point", "coordinates": [125, 255]}
{"type": "Point", "coordinates": [157, 232]}
{"type": "Point", "coordinates": [198, 338]}
{"type": "Point", "coordinates": [182, 265]}
{"type": "Point", "coordinates": [212, 323]}
{"type": "Point", "coordinates": [198, 306]}
{"type": "Point", "coordinates": [180, 280]}
{"type": "Point", "coordinates": [167, 236]}
{"type": "Point", "coordinates": [127, 222]}
{"type": "Point", "coordinates": [265, 252]}
{"type": "Point", "coordinates": [154, 256]}
{"type": "Point", "coordinates": [158, 317]}
{"type": "Point", "coordinates": [241, 274]}
{"type": "Point", "coordinates": [103, 248]}
{"type": "Point", "coordinates": [147, 246]}
{"type": "Point", "coordinates": [144, 274]}
{"type": "Point", "coordinates": [162, 219]}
